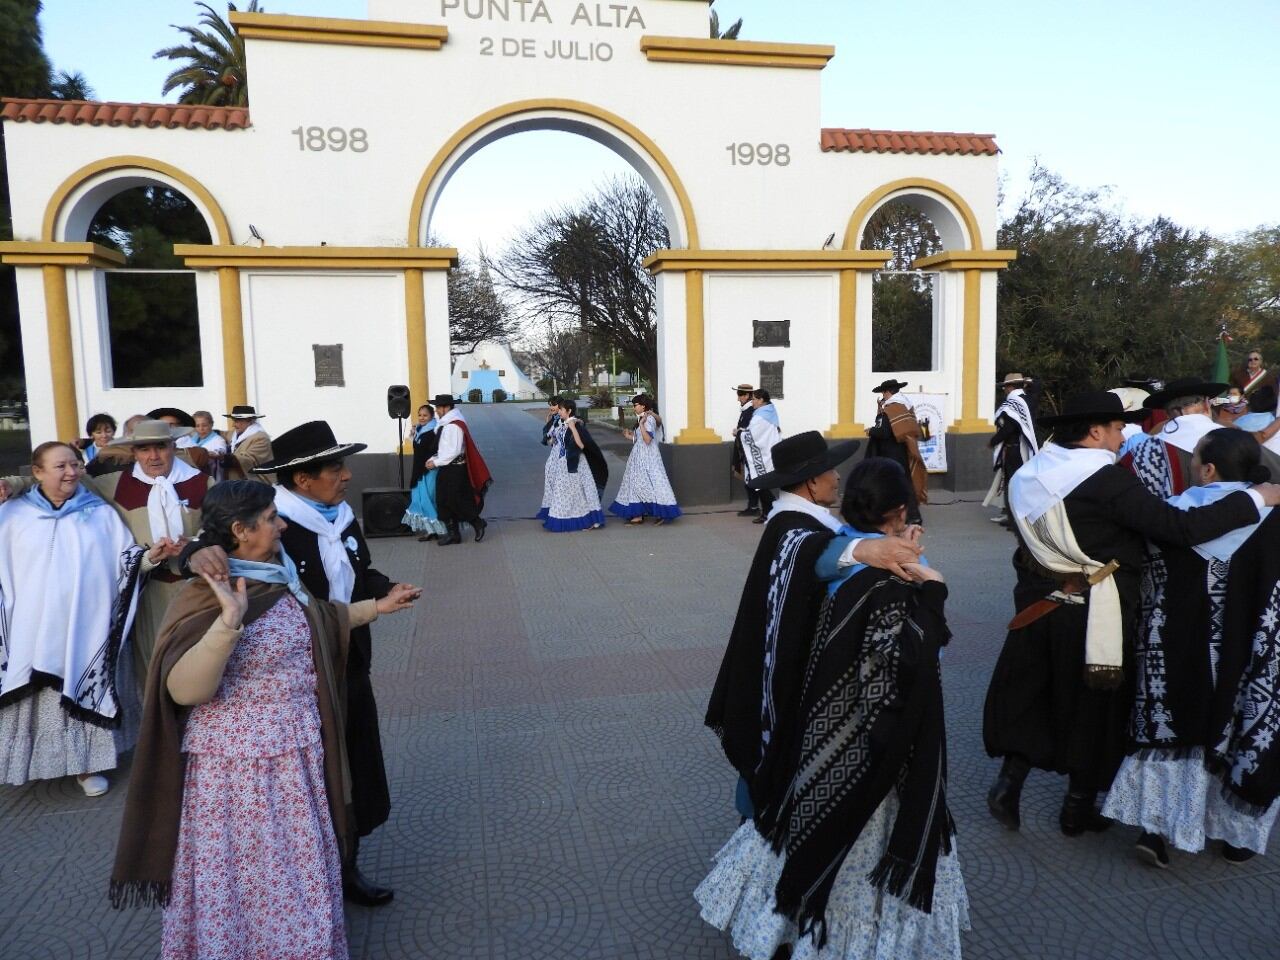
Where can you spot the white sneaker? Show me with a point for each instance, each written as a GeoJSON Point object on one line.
{"type": "Point", "coordinates": [94, 784]}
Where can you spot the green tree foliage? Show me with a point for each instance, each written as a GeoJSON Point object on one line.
{"type": "Point", "coordinates": [902, 305]}
{"type": "Point", "coordinates": [1095, 295]}
{"type": "Point", "coordinates": [71, 86]}
{"type": "Point", "coordinates": [212, 64]}
{"type": "Point", "coordinates": [144, 223]}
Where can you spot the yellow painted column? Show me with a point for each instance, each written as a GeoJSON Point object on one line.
{"type": "Point", "coordinates": [61, 356]}
{"type": "Point", "coordinates": [969, 421]}
{"type": "Point", "coordinates": [846, 426]}
{"type": "Point", "coordinates": [415, 319]}
{"type": "Point", "coordinates": [233, 358]}
{"type": "Point", "coordinates": [696, 351]}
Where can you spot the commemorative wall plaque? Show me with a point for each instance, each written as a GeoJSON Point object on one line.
{"type": "Point", "coordinates": [328, 358]}
{"type": "Point", "coordinates": [771, 333]}
{"type": "Point", "coordinates": [771, 377]}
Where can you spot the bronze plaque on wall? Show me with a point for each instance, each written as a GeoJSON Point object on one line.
{"type": "Point", "coordinates": [328, 357]}
{"type": "Point", "coordinates": [771, 333]}
{"type": "Point", "coordinates": [771, 377]}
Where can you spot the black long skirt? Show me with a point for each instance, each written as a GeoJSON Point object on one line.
{"type": "Point", "coordinates": [1039, 708]}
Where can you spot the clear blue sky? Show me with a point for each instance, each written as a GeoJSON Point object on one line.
{"type": "Point", "coordinates": [1173, 103]}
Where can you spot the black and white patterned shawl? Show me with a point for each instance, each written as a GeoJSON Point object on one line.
{"type": "Point", "coordinates": [1018, 409]}
{"type": "Point", "coordinates": [753, 703]}
{"type": "Point", "coordinates": [871, 721]}
{"type": "Point", "coordinates": [1246, 708]}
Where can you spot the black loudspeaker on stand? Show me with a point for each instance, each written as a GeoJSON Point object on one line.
{"type": "Point", "coordinates": [384, 507]}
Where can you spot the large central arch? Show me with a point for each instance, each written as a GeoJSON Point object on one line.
{"type": "Point", "coordinates": [568, 116]}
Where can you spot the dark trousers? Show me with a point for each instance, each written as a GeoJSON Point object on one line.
{"type": "Point", "coordinates": [766, 502]}
{"type": "Point", "coordinates": [455, 499]}
{"type": "Point", "coordinates": [753, 496]}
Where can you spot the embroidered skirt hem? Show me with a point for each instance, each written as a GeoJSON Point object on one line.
{"type": "Point", "coordinates": [862, 923]}
{"type": "Point", "coordinates": [570, 524]}
{"type": "Point", "coordinates": [1181, 801]}
{"type": "Point", "coordinates": [41, 741]}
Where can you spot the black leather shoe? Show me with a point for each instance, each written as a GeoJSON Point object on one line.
{"type": "Point", "coordinates": [1236, 854]}
{"type": "Point", "coordinates": [1003, 800]}
{"type": "Point", "coordinates": [360, 890]}
{"type": "Point", "coordinates": [480, 527]}
{"type": "Point", "coordinates": [449, 539]}
{"type": "Point", "coordinates": [759, 520]}
{"type": "Point", "coordinates": [749, 512]}
{"type": "Point", "coordinates": [1152, 851]}
{"type": "Point", "coordinates": [1080, 815]}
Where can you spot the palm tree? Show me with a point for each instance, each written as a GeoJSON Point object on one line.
{"type": "Point", "coordinates": [731, 33]}
{"type": "Point", "coordinates": [70, 86]}
{"type": "Point", "coordinates": [214, 71]}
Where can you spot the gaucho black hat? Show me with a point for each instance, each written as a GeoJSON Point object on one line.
{"type": "Point", "coordinates": [803, 457]}
{"type": "Point", "coordinates": [1183, 387]}
{"type": "Point", "coordinates": [890, 384]}
{"type": "Point", "coordinates": [310, 442]}
{"type": "Point", "coordinates": [1093, 406]}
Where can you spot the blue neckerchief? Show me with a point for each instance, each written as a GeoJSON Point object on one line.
{"type": "Point", "coordinates": [82, 499]}
{"type": "Point", "coordinates": [423, 428]}
{"type": "Point", "coordinates": [201, 441]}
{"type": "Point", "coordinates": [1226, 545]}
{"type": "Point", "coordinates": [90, 452]}
{"type": "Point", "coordinates": [828, 568]}
{"type": "Point", "coordinates": [283, 572]}
{"type": "Point", "coordinates": [1252, 422]}
{"type": "Point", "coordinates": [328, 511]}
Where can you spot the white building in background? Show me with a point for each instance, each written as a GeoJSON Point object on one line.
{"type": "Point", "coordinates": [491, 367]}
{"type": "Point", "coordinates": [318, 289]}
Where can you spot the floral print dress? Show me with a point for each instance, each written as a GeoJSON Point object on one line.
{"type": "Point", "coordinates": [257, 872]}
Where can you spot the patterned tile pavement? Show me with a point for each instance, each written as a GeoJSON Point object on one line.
{"type": "Point", "coordinates": [556, 796]}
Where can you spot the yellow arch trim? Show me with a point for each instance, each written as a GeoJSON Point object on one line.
{"type": "Point", "coordinates": [877, 196]}
{"type": "Point", "coordinates": [222, 231]}
{"type": "Point", "coordinates": [567, 106]}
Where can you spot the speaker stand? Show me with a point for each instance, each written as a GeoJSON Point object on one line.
{"type": "Point", "coordinates": [400, 448]}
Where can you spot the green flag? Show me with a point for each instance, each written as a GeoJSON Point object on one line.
{"type": "Point", "coordinates": [1221, 366]}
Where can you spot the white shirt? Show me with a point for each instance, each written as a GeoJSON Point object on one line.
{"type": "Point", "coordinates": [451, 444]}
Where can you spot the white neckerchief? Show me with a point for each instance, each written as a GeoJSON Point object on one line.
{"type": "Point", "coordinates": [1226, 545]}
{"type": "Point", "coordinates": [1186, 431]}
{"type": "Point", "coordinates": [1048, 477]}
{"type": "Point", "coordinates": [333, 552]}
{"type": "Point", "coordinates": [901, 398]}
{"type": "Point", "coordinates": [164, 509]}
{"type": "Point", "coordinates": [791, 501]}
{"type": "Point", "coordinates": [253, 429]}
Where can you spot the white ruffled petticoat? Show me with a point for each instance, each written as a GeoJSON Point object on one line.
{"type": "Point", "coordinates": [863, 923]}
{"type": "Point", "coordinates": [1181, 801]}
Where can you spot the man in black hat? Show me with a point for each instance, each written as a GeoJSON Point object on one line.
{"type": "Point", "coordinates": [463, 478]}
{"type": "Point", "coordinates": [1061, 691]}
{"type": "Point", "coordinates": [1163, 461]}
{"type": "Point", "coordinates": [753, 703]}
{"type": "Point", "coordinates": [746, 410]}
{"type": "Point", "coordinates": [896, 435]}
{"type": "Point", "coordinates": [249, 444]}
{"type": "Point", "coordinates": [1015, 441]}
{"type": "Point", "coordinates": [325, 542]}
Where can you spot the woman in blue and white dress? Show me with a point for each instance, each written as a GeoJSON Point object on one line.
{"type": "Point", "coordinates": [645, 490]}
{"type": "Point", "coordinates": [552, 431]}
{"type": "Point", "coordinates": [422, 517]}
{"type": "Point", "coordinates": [575, 481]}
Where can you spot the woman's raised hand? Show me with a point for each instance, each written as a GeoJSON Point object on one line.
{"type": "Point", "coordinates": [400, 598]}
{"type": "Point", "coordinates": [234, 603]}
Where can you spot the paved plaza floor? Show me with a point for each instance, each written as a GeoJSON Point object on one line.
{"type": "Point", "coordinates": [555, 794]}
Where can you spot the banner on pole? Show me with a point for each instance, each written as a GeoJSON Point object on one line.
{"type": "Point", "coordinates": [931, 414]}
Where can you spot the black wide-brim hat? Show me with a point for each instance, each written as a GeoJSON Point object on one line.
{"type": "Point", "coordinates": [1092, 406]}
{"type": "Point", "coordinates": [311, 442]}
{"type": "Point", "coordinates": [1183, 387]}
{"type": "Point", "coordinates": [803, 457]}
{"type": "Point", "coordinates": [890, 384]}
{"type": "Point", "coordinates": [244, 412]}
{"type": "Point", "coordinates": [443, 400]}
{"type": "Point", "coordinates": [184, 419]}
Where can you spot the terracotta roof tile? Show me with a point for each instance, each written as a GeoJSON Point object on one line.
{"type": "Point", "coordinates": [169, 115]}
{"type": "Point", "coordinates": [840, 140]}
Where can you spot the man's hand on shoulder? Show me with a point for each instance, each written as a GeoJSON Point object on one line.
{"type": "Point", "coordinates": [210, 562]}
{"type": "Point", "coordinates": [1270, 493]}
{"type": "Point", "coordinates": [888, 553]}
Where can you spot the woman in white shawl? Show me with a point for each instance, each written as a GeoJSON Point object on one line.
{"type": "Point", "coordinates": [68, 590]}
{"type": "Point", "coordinates": [757, 441]}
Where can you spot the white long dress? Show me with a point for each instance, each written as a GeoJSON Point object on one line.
{"type": "Point", "coordinates": [645, 490]}
{"type": "Point", "coordinates": [575, 502]}
{"type": "Point", "coordinates": [554, 435]}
